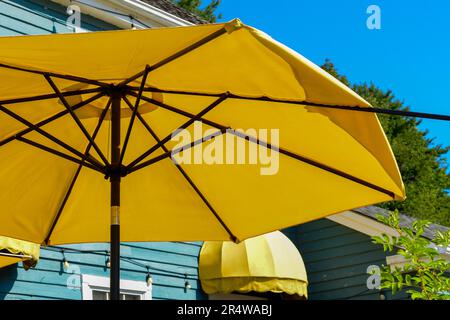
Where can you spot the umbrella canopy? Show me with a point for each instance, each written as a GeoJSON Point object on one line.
{"type": "Point", "coordinates": [13, 251]}
{"type": "Point", "coordinates": [267, 263]}
{"type": "Point", "coordinates": [79, 108]}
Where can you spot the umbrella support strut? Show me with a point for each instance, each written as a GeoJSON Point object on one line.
{"type": "Point", "coordinates": [115, 195]}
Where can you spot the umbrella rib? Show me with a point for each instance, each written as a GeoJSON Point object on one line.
{"type": "Point", "coordinates": [50, 119]}
{"type": "Point", "coordinates": [230, 130]}
{"type": "Point", "coordinates": [133, 116]}
{"type": "Point", "coordinates": [192, 119]}
{"type": "Point", "coordinates": [184, 174]}
{"type": "Point", "coordinates": [56, 75]}
{"type": "Point", "coordinates": [404, 113]}
{"type": "Point", "coordinates": [188, 49]}
{"type": "Point", "coordinates": [77, 173]}
{"type": "Point", "coordinates": [76, 119]}
{"type": "Point", "coordinates": [58, 153]}
{"type": "Point", "coordinates": [50, 96]}
{"type": "Point", "coordinates": [173, 152]}
{"type": "Point", "coordinates": [176, 55]}
{"type": "Point", "coordinates": [49, 136]}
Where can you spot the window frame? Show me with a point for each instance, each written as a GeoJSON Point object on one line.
{"type": "Point", "coordinates": [90, 283]}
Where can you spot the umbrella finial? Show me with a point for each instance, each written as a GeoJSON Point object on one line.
{"type": "Point", "coordinates": [233, 25]}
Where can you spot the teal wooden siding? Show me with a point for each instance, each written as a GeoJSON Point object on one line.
{"type": "Point", "coordinates": [20, 17]}
{"type": "Point", "coordinates": [170, 264]}
{"type": "Point", "coordinates": [336, 260]}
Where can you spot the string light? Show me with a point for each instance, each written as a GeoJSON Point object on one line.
{"type": "Point", "coordinates": [66, 264]}
{"type": "Point", "coordinates": [149, 278]}
{"type": "Point", "coordinates": [106, 254]}
{"type": "Point", "coordinates": [187, 285]}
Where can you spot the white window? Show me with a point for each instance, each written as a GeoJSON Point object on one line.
{"type": "Point", "coordinates": [97, 288]}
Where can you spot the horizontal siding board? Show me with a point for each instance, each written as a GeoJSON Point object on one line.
{"type": "Point", "coordinates": [18, 296]}
{"type": "Point", "coordinates": [336, 260]}
{"type": "Point", "coordinates": [177, 293]}
{"type": "Point", "coordinates": [370, 295]}
{"type": "Point", "coordinates": [315, 225]}
{"type": "Point", "coordinates": [58, 12]}
{"type": "Point", "coordinates": [33, 17]}
{"type": "Point", "coordinates": [375, 295]}
{"type": "Point", "coordinates": [40, 289]}
{"type": "Point", "coordinates": [326, 233]}
{"type": "Point", "coordinates": [340, 273]}
{"type": "Point", "coordinates": [22, 26]}
{"type": "Point", "coordinates": [333, 242]}
{"type": "Point", "coordinates": [345, 261]}
{"type": "Point", "coordinates": [187, 248]}
{"type": "Point", "coordinates": [358, 248]}
{"type": "Point", "coordinates": [174, 258]}
{"type": "Point", "coordinates": [178, 248]}
{"type": "Point", "coordinates": [39, 276]}
{"type": "Point", "coordinates": [340, 293]}
{"type": "Point", "coordinates": [8, 31]}
{"type": "Point", "coordinates": [400, 295]}
{"type": "Point", "coordinates": [32, 23]}
{"type": "Point", "coordinates": [357, 293]}
{"type": "Point", "coordinates": [356, 280]}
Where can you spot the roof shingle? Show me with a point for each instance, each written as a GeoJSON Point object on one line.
{"type": "Point", "coordinates": [405, 221]}
{"type": "Point", "coordinates": [172, 8]}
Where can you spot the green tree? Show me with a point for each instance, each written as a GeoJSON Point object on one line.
{"type": "Point", "coordinates": [422, 163]}
{"type": "Point", "coordinates": [205, 12]}
{"type": "Point", "coordinates": [424, 273]}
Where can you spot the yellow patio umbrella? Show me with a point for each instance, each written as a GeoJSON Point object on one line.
{"type": "Point", "coordinates": [14, 251]}
{"type": "Point", "coordinates": [80, 109]}
{"type": "Point", "coordinates": [266, 263]}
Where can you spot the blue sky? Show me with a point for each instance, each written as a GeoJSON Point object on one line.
{"type": "Point", "coordinates": [410, 54]}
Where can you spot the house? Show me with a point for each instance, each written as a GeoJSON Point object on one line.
{"type": "Point", "coordinates": [337, 251]}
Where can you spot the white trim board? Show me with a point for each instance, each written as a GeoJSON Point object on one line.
{"type": "Point", "coordinates": [366, 225]}
{"type": "Point", "coordinates": [362, 224]}
{"type": "Point", "coordinates": [148, 14]}
{"type": "Point", "coordinates": [91, 282]}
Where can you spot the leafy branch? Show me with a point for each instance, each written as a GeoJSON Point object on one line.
{"type": "Point", "coordinates": [425, 271]}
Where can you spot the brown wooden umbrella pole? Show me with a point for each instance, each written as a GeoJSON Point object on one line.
{"type": "Point", "coordinates": [115, 195]}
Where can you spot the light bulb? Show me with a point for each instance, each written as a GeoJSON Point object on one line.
{"type": "Point", "coordinates": [108, 263]}
{"type": "Point", "coordinates": [66, 263]}
{"type": "Point", "coordinates": [187, 285]}
{"type": "Point", "coordinates": [149, 279]}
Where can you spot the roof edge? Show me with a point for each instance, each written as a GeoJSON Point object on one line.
{"type": "Point", "coordinates": [127, 13]}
